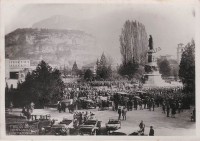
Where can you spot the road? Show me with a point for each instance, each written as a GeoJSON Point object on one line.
{"type": "Point", "coordinates": [163, 126]}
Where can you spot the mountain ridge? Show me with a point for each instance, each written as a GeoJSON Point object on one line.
{"type": "Point", "coordinates": [56, 46]}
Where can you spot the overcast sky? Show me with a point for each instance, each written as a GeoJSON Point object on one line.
{"type": "Point", "coordinates": [169, 24]}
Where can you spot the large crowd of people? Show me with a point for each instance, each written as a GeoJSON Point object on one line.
{"type": "Point", "coordinates": [89, 94]}
{"type": "Point", "coordinates": [121, 97]}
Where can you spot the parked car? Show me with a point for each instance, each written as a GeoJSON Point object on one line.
{"type": "Point", "coordinates": [59, 129]}
{"type": "Point", "coordinates": [87, 103]}
{"type": "Point", "coordinates": [113, 124]}
{"type": "Point", "coordinates": [90, 127]}
{"type": "Point", "coordinates": [127, 132]}
{"type": "Point", "coordinates": [67, 122]}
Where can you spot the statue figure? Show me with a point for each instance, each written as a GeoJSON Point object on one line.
{"type": "Point", "coordinates": [150, 42]}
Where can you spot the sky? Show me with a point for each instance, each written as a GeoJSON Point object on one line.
{"type": "Point", "coordinates": [169, 24]}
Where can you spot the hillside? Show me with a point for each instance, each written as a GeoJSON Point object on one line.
{"type": "Point", "coordinates": [57, 47]}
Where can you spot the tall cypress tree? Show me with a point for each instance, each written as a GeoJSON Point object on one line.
{"type": "Point", "coordinates": [133, 42]}
{"type": "Point", "coordinates": [187, 67]}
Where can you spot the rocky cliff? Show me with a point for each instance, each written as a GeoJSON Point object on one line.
{"type": "Point", "coordinates": [57, 47]}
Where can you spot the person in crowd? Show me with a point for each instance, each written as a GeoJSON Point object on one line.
{"type": "Point", "coordinates": [163, 107]}
{"type": "Point", "coordinates": [113, 106]}
{"type": "Point", "coordinates": [151, 132]}
{"type": "Point", "coordinates": [142, 127]}
{"type": "Point", "coordinates": [193, 117]}
{"type": "Point", "coordinates": [84, 117]}
{"type": "Point", "coordinates": [153, 104]}
{"type": "Point", "coordinates": [124, 111]}
{"type": "Point", "coordinates": [145, 102]}
{"type": "Point", "coordinates": [150, 104]}
{"type": "Point", "coordinates": [130, 105]}
{"type": "Point", "coordinates": [168, 109]}
{"type": "Point", "coordinates": [32, 106]}
{"type": "Point", "coordinates": [24, 111]}
{"type": "Point", "coordinates": [179, 107]}
{"type": "Point", "coordinates": [28, 114]}
{"type": "Point", "coordinates": [59, 106]}
{"type": "Point", "coordinates": [173, 112]}
{"type": "Point", "coordinates": [135, 104]}
{"type": "Point", "coordinates": [140, 104]}
{"type": "Point", "coordinates": [80, 118]}
{"type": "Point", "coordinates": [11, 106]}
{"type": "Point", "coordinates": [119, 113]}
{"type": "Point", "coordinates": [63, 107]}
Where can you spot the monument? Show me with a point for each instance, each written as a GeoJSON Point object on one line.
{"type": "Point", "coordinates": [152, 77]}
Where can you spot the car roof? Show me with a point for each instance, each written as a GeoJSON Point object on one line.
{"type": "Point", "coordinates": [127, 130]}
{"type": "Point", "coordinates": [59, 125]}
{"type": "Point", "coordinates": [141, 92]}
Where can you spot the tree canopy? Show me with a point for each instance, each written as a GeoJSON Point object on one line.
{"type": "Point", "coordinates": [43, 86]}
{"type": "Point", "coordinates": [164, 68]}
{"type": "Point", "coordinates": [133, 48]}
{"type": "Point", "coordinates": [88, 75]}
{"type": "Point", "coordinates": [187, 67]}
{"type": "Point", "coordinates": [128, 69]}
{"type": "Point", "coordinates": [104, 70]}
{"type": "Point", "coordinates": [133, 42]}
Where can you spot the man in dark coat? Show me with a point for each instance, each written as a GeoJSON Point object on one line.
{"type": "Point", "coordinates": [168, 110]}
{"type": "Point", "coordinates": [151, 132]}
{"type": "Point", "coordinates": [119, 113]}
{"type": "Point", "coordinates": [130, 105]}
{"type": "Point", "coordinates": [63, 106]}
{"type": "Point", "coordinates": [135, 104]}
{"type": "Point", "coordinates": [59, 107]}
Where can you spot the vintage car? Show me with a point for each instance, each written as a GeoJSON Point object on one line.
{"type": "Point", "coordinates": [113, 124]}
{"type": "Point", "coordinates": [62, 128]}
{"type": "Point", "coordinates": [87, 103]}
{"type": "Point", "coordinates": [90, 127]}
{"type": "Point", "coordinates": [67, 122]}
{"type": "Point", "coordinates": [104, 103]}
{"type": "Point", "coordinates": [119, 132]}
{"type": "Point", "coordinates": [127, 132]}
{"type": "Point", "coordinates": [59, 129]}
{"type": "Point", "coordinates": [141, 94]}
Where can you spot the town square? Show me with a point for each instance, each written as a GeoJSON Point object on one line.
{"type": "Point", "coordinates": [100, 70]}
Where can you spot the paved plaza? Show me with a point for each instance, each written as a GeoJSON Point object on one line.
{"type": "Point", "coordinates": [163, 126]}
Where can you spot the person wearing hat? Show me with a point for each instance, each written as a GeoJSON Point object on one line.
{"type": "Point", "coordinates": [151, 132]}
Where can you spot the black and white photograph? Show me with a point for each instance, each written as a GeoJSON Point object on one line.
{"type": "Point", "coordinates": [99, 69]}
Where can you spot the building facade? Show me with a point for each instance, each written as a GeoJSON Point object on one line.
{"type": "Point", "coordinates": [19, 64]}
{"type": "Point", "coordinates": [16, 71]}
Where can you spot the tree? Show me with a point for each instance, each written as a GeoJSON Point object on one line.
{"type": "Point", "coordinates": [187, 67]}
{"type": "Point", "coordinates": [103, 61]}
{"type": "Point", "coordinates": [104, 70]}
{"type": "Point", "coordinates": [128, 69]}
{"type": "Point", "coordinates": [75, 69]}
{"type": "Point", "coordinates": [175, 73]}
{"type": "Point", "coordinates": [164, 67]}
{"type": "Point", "coordinates": [66, 71]}
{"type": "Point", "coordinates": [133, 43]}
{"type": "Point", "coordinates": [42, 86]}
{"type": "Point", "coordinates": [88, 75]}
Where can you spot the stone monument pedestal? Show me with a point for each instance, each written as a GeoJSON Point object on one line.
{"type": "Point", "coordinates": [154, 80]}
